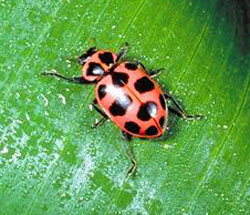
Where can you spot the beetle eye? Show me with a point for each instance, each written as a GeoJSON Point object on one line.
{"type": "Point", "coordinates": [83, 59]}
{"type": "Point", "coordinates": [86, 59]}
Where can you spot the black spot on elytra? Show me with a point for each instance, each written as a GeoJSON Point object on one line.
{"type": "Point", "coordinates": [143, 113]}
{"type": "Point", "coordinates": [163, 102]}
{"type": "Point", "coordinates": [120, 105]}
{"type": "Point", "coordinates": [144, 84]}
{"type": "Point", "coordinates": [119, 78]}
{"type": "Point", "coordinates": [132, 127]}
{"type": "Point", "coordinates": [116, 110]}
{"type": "Point", "coordinates": [152, 130]}
{"type": "Point", "coordinates": [106, 58]}
{"type": "Point", "coordinates": [131, 66]}
{"type": "Point", "coordinates": [162, 121]}
{"type": "Point", "coordinates": [102, 91]}
{"type": "Point", "coordinates": [147, 110]}
{"type": "Point", "coordinates": [95, 66]}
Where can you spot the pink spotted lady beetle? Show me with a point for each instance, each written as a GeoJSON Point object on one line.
{"type": "Point", "coordinates": [126, 93]}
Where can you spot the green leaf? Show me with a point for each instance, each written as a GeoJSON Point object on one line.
{"type": "Point", "coordinates": [52, 162]}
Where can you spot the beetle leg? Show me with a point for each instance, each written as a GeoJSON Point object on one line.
{"type": "Point", "coordinates": [139, 63]}
{"type": "Point", "coordinates": [151, 73]}
{"type": "Point", "coordinates": [77, 80]}
{"type": "Point", "coordinates": [133, 167]}
{"type": "Point", "coordinates": [126, 136]}
{"type": "Point", "coordinates": [123, 52]}
{"type": "Point", "coordinates": [99, 110]}
{"type": "Point", "coordinates": [102, 120]}
{"type": "Point", "coordinates": [179, 111]}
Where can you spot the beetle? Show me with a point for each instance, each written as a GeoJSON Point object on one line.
{"type": "Point", "coordinates": [126, 93]}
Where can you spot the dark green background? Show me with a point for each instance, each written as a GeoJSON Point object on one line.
{"type": "Point", "coordinates": [52, 162]}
